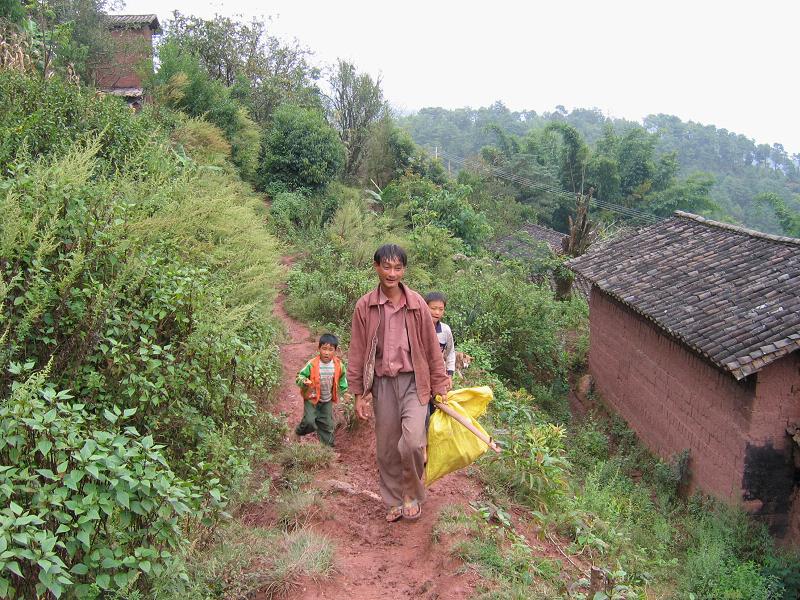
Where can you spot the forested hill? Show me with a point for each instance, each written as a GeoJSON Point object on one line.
{"type": "Point", "coordinates": [741, 169]}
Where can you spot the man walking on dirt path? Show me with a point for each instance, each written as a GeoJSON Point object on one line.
{"type": "Point", "coordinates": [394, 357]}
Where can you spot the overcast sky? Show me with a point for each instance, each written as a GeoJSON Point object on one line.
{"type": "Point", "coordinates": [731, 64]}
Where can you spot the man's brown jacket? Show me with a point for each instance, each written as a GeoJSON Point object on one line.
{"type": "Point", "coordinates": [426, 357]}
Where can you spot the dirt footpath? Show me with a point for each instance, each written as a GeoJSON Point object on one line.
{"type": "Point", "coordinates": [375, 560]}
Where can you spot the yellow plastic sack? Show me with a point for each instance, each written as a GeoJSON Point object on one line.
{"type": "Point", "coordinates": [451, 446]}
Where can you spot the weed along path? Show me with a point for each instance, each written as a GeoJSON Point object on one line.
{"type": "Point", "coordinates": [373, 559]}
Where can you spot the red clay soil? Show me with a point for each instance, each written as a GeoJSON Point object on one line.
{"type": "Point", "coordinates": [374, 559]}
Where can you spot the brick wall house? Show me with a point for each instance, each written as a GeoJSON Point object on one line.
{"type": "Point", "coordinates": [132, 37]}
{"type": "Point", "coordinates": [694, 338]}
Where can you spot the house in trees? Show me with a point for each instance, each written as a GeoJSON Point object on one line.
{"type": "Point", "coordinates": [529, 241]}
{"type": "Point", "coordinates": [694, 338]}
{"type": "Point", "coordinates": [131, 56]}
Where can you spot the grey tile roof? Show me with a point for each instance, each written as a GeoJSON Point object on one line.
{"type": "Point", "coordinates": [132, 21]}
{"type": "Point", "coordinates": [732, 294]}
{"type": "Point", "coordinates": [540, 233]}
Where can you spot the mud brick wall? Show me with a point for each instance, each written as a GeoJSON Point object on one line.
{"type": "Point", "coordinates": [133, 47]}
{"type": "Point", "coordinates": [676, 400]}
{"type": "Point", "coordinates": [771, 479]}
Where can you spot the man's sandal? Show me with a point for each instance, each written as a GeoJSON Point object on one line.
{"type": "Point", "coordinates": [412, 511]}
{"type": "Point", "coordinates": [395, 514]}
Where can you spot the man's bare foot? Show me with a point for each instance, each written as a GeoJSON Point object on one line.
{"type": "Point", "coordinates": [412, 510]}
{"type": "Point", "coordinates": [395, 514]}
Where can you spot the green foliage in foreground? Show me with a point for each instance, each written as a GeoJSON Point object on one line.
{"type": "Point", "coordinates": [90, 505]}
{"type": "Point", "coordinates": [623, 512]}
{"type": "Point", "coordinates": [136, 330]}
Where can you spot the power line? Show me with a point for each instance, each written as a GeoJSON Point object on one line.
{"type": "Point", "coordinates": [500, 173]}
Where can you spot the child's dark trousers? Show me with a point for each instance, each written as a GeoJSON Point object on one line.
{"type": "Point", "coordinates": [317, 418]}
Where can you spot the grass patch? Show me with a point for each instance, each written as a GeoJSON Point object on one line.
{"type": "Point", "coordinates": [306, 457]}
{"type": "Point", "coordinates": [299, 461]}
{"type": "Point", "coordinates": [296, 508]}
{"type": "Point", "coordinates": [244, 561]}
{"type": "Point", "coordinates": [498, 554]}
{"type": "Point", "coordinates": [304, 553]}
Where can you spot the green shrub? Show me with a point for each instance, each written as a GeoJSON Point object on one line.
{"type": "Point", "coordinates": [426, 203]}
{"type": "Point", "coordinates": [432, 249]}
{"type": "Point", "coordinates": [292, 212]}
{"type": "Point", "coordinates": [86, 500]}
{"type": "Point", "coordinates": [531, 468]}
{"type": "Point", "coordinates": [516, 322]}
{"type": "Point", "coordinates": [711, 575]}
{"type": "Point", "coordinates": [300, 150]}
{"type": "Point", "coordinates": [40, 117]}
{"type": "Point", "coordinates": [246, 146]}
{"type": "Point", "coordinates": [353, 230]}
{"type": "Point", "coordinates": [587, 446]}
{"type": "Point", "coordinates": [203, 141]}
{"type": "Point", "coordinates": [326, 287]}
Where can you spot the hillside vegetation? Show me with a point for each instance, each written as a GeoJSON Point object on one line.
{"type": "Point", "coordinates": [136, 339]}
{"type": "Point", "coordinates": [716, 172]}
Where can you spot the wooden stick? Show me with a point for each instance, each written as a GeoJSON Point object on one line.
{"type": "Point", "coordinates": [468, 424]}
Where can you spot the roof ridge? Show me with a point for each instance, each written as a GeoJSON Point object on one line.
{"type": "Point", "coordinates": [738, 229]}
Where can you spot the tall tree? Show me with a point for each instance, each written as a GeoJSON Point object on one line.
{"type": "Point", "coordinates": [636, 164]}
{"type": "Point", "coordinates": [356, 103]}
{"type": "Point", "coordinates": [788, 217]}
{"type": "Point", "coordinates": [261, 70]}
{"type": "Point", "coordinates": [574, 156]}
{"type": "Point", "coordinates": [691, 194]}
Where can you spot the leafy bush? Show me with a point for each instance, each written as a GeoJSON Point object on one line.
{"type": "Point", "coordinates": [712, 576]}
{"type": "Point", "coordinates": [300, 150]}
{"type": "Point", "coordinates": [39, 117]}
{"type": "Point", "coordinates": [426, 203]}
{"type": "Point", "coordinates": [432, 249]}
{"type": "Point", "coordinates": [725, 550]}
{"type": "Point", "coordinates": [326, 287]}
{"type": "Point", "coordinates": [515, 321]}
{"type": "Point", "coordinates": [532, 467]}
{"type": "Point", "coordinates": [587, 447]}
{"type": "Point", "coordinates": [86, 501]}
{"type": "Point", "coordinates": [294, 212]}
{"type": "Point", "coordinates": [246, 146]}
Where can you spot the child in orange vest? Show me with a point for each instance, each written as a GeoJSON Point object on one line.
{"type": "Point", "coordinates": [322, 382]}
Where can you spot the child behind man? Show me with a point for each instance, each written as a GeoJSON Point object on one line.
{"type": "Point", "coordinates": [322, 382]}
{"type": "Point", "coordinates": [437, 302]}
